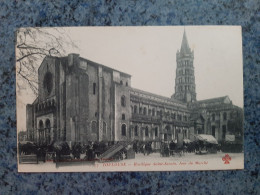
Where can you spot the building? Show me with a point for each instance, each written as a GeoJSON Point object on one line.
{"type": "Point", "coordinates": [81, 101]}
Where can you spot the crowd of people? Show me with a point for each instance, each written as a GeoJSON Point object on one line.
{"type": "Point", "coordinates": [93, 150]}
{"type": "Point", "coordinates": [61, 149]}
{"type": "Point", "coordinates": [171, 148]}
{"type": "Point", "coordinates": [142, 147]}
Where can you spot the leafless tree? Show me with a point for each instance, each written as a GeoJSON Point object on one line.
{"type": "Point", "coordinates": [32, 45]}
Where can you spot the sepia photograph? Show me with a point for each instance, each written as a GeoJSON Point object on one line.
{"type": "Point", "coordinates": [153, 98]}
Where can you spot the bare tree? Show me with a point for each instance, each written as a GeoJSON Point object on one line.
{"type": "Point", "coordinates": [32, 45]}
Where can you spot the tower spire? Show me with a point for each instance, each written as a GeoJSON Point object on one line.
{"type": "Point", "coordinates": [185, 49]}
{"type": "Point", "coordinates": [185, 88]}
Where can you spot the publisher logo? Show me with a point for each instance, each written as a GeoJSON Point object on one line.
{"type": "Point", "coordinates": [226, 159]}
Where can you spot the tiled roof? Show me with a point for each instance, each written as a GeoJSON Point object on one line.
{"type": "Point", "coordinates": [211, 100]}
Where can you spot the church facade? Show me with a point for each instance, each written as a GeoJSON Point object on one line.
{"type": "Point", "coordinates": [81, 101]}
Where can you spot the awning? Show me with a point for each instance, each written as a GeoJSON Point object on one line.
{"type": "Point", "coordinates": [207, 138]}
{"type": "Point", "coordinates": [186, 141]}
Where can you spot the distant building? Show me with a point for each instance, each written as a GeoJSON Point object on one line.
{"type": "Point", "coordinates": [80, 101]}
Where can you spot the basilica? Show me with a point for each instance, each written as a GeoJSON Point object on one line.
{"type": "Point", "coordinates": [80, 101]}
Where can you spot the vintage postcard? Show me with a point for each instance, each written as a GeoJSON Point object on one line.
{"type": "Point", "coordinates": [100, 99]}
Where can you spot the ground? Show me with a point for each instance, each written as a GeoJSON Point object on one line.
{"type": "Point", "coordinates": [152, 162]}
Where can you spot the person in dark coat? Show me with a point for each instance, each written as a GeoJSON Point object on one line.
{"type": "Point", "coordinates": [96, 149]}
{"type": "Point", "coordinates": [76, 150]}
{"type": "Point", "coordinates": [90, 153]}
{"type": "Point", "coordinates": [166, 150]}
{"type": "Point", "coordinates": [135, 147]}
{"type": "Point", "coordinates": [172, 148]}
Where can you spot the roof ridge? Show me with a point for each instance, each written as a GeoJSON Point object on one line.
{"type": "Point", "coordinates": [160, 96]}
{"type": "Point", "coordinates": [211, 99]}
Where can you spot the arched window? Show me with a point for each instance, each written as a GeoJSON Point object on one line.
{"type": "Point", "coordinates": [165, 137]}
{"type": "Point", "coordinates": [47, 124]}
{"type": "Point", "coordinates": [174, 116]}
{"type": "Point", "coordinates": [156, 132]}
{"type": "Point", "coordinates": [94, 88]}
{"type": "Point", "coordinates": [224, 131]}
{"type": "Point", "coordinates": [48, 130]}
{"type": "Point", "coordinates": [41, 132]}
{"type": "Point", "coordinates": [136, 130]}
{"type": "Point", "coordinates": [40, 124]}
{"type": "Point", "coordinates": [213, 131]}
{"type": "Point", "coordinates": [48, 83]}
{"type": "Point", "coordinates": [123, 130]}
{"type": "Point", "coordinates": [126, 84]}
{"type": "Point", "coordinates": [94, 127]}
{"type": "Point", "coordinates": [123, 101]}
{"type": "Point", "coordinates": [140, 110]}
{"type": "Point", "coordinates": [135, 109]}
{"type": "Point", "coordinates": [144, 110]}
{"type": "Point", "coordinates": [225, 116]}
{"type": "Point", "coordinates": [213, 117]}
{"type": "Point", "coordinates": [153, 112]}
{"type": "Point", "coordinates": [121, 82]}
{"type": "Point", "coordinates": [123, 116]}
{"type": "Point", "coordinates": [146, 131]}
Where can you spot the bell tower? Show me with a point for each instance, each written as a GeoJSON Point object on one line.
{"type": "Point", "coordinates": [185, 88]}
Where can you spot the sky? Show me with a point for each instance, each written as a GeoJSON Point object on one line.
{"type": "Point", "coordinates": [149, 55]}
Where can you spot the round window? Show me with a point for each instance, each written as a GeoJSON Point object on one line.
{"type": "Point", "coordinates": [48, 83]}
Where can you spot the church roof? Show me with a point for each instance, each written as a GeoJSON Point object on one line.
{"type": "Point", "coordinates": [213, 100]}
{"type": "Point", "coordinates": [92, 63]}
{"type": "Point", "coordinates": [185, 45]}
{"type": "Point", "coordinates": [106, 67]}
{"type": "Point", "coordinates": [158, 97]}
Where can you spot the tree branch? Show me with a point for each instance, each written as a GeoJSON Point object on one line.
{"type": "Point", "coordinates": [25, 56]}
